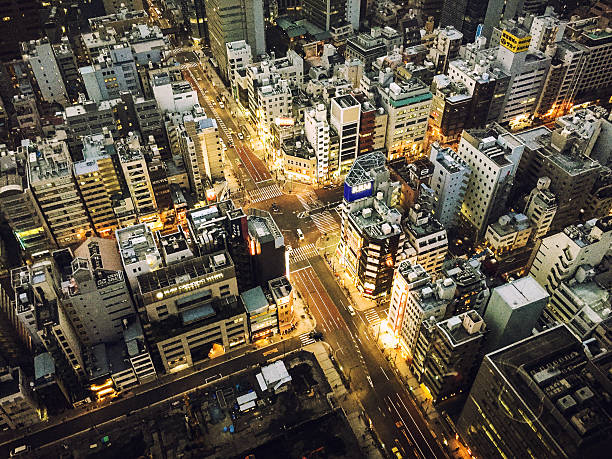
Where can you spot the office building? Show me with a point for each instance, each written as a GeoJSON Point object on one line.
{"type": "Point", "coordinates": [85, 118]}
{"type": "Point", "coordinates": [111, 73]}
{"type": "Point", "coordinates": [55, 189]}
{"type": "Point", "coordinates": [18, 206]}
{"type": "Point", "coordinates": [372, 128]}
{"type": "Point", "coordinates": [541, 208]}
{"type": "Point", "coordinates": [558, 155]}
{"type": "Point", "coordinates": [282, 295]}
{"type": "Point", "coordinates": [450, 109]}
{"type": "Point", "coordinates": [444, 47]}
{"type": "Point", "coordinates": [68, 67]}
{"type": "Point", "coordinates": [139, 253]}
{"type": "Point", "coordinates": [95, 293]}
{"type": "Point", "coordinates": [41, 313]}
{"type": "Point", "coordinates": [316, 130]}
{"type": "Point", "coordinates": [18, 408]}
{"type": "Point", "coordinates": [233, 20]}
{"type": "Point", "coordinates": [407, 105]}
{"type": "Point", "coordinates": [542, 396]}
{"type": "Point", "coordinates": [239, 57]}
{"type": "Point", "coordinates": [345, 114]}
{"type": "Point", "coordinates": [372, 238]}
{"type": "Point", "coordinates": [449, 183]}
{"type": "Point", "coordinates": [513, 311]}
{"type": "Point", "coordinates": [368, 47]}
{"type": "Point", "coordinates": [273, 101]}
{"type": "Point", "coordinates": [173, 96]}
{"type": "Point", "coordinates": [499, 11]}
{"type": "Point", "coordinates": [464, 16]}
{"type": "Point", "coordinates": [136, 176]}
{"type": "Point", "coordinates": [261, 312]}
{"type": "Point", "coordinates": [425, 234]}
{"type": "Point", "coordinates": [447, 354]}
{"type": "Point", "coordinates": [493, 155]}
{"type": "Point", "coordinates": [22, 24]}
{"type": "Point", "coordinates": [510, 232]}
{"type": "Point", "coordinates": [559, 255]}
{"type": "Point", "coordinates": [98, 181]}
{"type": "Point", "coordinates": [267, 247]}
{"type": "Point", "coordinates": [472, 290]}
{"type": "Point", "coordinates": [325, 14]}
{"type": "Point", "coordinates": [115, 6]}
{"type": "Point", "coordinates": [40, 56]}
{"type": "Point", "coordinates": [27, 115]}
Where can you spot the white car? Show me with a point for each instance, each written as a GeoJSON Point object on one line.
{"type": "Point", "coordinates": [240, 136]}
{"type": "Point", "coordinates": [221, 105]}
{"type": "Point", "coordinates": [19, 450]}
{"type": "Point", "coordinates": [351, 310]}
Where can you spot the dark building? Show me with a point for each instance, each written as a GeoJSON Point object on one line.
{"type": "Point", "coordinates": [266, 247]}
{"type": "Point", "coordinates": [472, 291]}
{"type": "Point", "coordinates": [20, 22]}
{"type": "Point", "coordinates": [543, 396]}
{"type": "Point", "coordinates": [325, 14]}
{"type": "Point", "coordinates": [464, 15]}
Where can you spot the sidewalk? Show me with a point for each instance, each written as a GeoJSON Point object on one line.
{"type": "Point", "coordinates": [357, 300]}
{"type": "Point", "coordinates": [350, 406]}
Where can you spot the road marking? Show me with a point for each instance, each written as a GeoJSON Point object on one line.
{"type": "Point", "coordinates": [417, 426]}
{"type": "Point", "coordinates": [404, 422]}
{"type": "Point", "coordinates": [325, 222]}
{"type": "Point", "coordinates": [373, 317]}
{"type": "Point", "coordinates": [212, 378]}
{"type": "Point", "coordinates": [271, 351]}
{"type": "Point", "coordinates": [381, 369]}
{"type": "Point", "coordinates": [370, 381]}
{"type": "Point", "coordinates": [303, 253]}
{"type": "Point", "coordinates": [306, 339]}
{"type": "Point", "coordinates": [265, 193]}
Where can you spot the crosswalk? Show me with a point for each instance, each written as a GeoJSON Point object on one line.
{"type": "Point", "coordinates": [309, 200]}
{"type": "Point", "coordinates": [325, 222]}
{"type": "Point", "coordinates": [373, 317]}
{"type": "Point", "coordinates": [265, 193]}
{"type": "Point", "coordinates": [305, 339]}
{"type": "Point", "coordinates": [303, 253]}
{"type": "Point", "coordinates": [303, 201]}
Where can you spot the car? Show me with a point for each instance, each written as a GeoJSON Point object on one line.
{"type": "Point", "coordinates": [300, 234]}
{"type": "Point", "coordinates": [395, 451]}
{"type": "Point", "coordinates": [20, 450]}
{"type": "Point", "coordinates": [240, 136]}
{"type": "Point", "coordinates": [221, 105]}
{"type": "Point", "coordinates": [351, 310]}
{"type": "Point", "coordinates": [399, 424]}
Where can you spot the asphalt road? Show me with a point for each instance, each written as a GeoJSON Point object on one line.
{"type": "Point", "coordinates": [157, 393]}
{"type": "Point", "coordinates": [395, 418]}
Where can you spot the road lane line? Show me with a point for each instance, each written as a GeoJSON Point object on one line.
{"type": "Point", "coordinates": [417, 426]}
{"type": "Point", "coordinates": [310, 277]}
{"type": "Point", "coordinates": [381, 369]}
{"type": "Point", "coordinates": [300, 277]}
{"type": "Point", "coordinates": [404, 423]}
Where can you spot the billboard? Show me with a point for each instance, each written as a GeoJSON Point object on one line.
{"type": "Point", "coordinates": [360, 191]}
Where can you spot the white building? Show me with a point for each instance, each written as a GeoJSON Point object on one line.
{"type": "Point", "coordinates": [493, 155]}
{"type": "Point", "coordinates": [345, 118]}
{"type": "Point", "coordinates": [173, 96]}
{"type": "Point", "coordinates": [560, 255]}
{"type": "Point", "coordinates": [541, 208]}
{"type": "Point", "coordinates": [316, 129]}
{"type": "Point", "coordinates": [239, 56]}
{"type": "Point", "coordinates": [41, 58]}
{"type": "Point", "coordinates": [408, 105]}
{"type": "Point", "coordinates": [273, 101]}
{"type": "Point", "coordinates": [448, 182]}
{"type": "Point", "coordinates": [138, 251]}
{"type": "Point", "coordinates": [112, 72]}
{"type": "Point", "coordinates": [509, 232]}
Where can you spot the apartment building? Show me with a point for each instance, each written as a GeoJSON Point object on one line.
{"type": "Point", "coordinates": [345, 115]}
{"type": "Point", "coordinates": [111, 73]}
{"type": "Point", "coordinates": [316, 130]}
{"type": "Point", "coordinates": [239, 56]}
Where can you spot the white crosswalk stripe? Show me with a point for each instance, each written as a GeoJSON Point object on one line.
{"type": "Point", "coordinates": [265, 193]}
{"type": "Point", "coordinates": [373, 317]}
{"type": "Point", "coordinates": [306, 339]}
{"type": "Point", "coordinates": [303, 253]}
{"type": "Point", "coordinates": [325, 222]}
{"type": "Point", "coordinates": [304, 202]}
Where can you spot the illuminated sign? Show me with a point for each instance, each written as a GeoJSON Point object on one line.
{"type": "Point", "coordinates": [211, 195]}
{"type": "Point", "coordinates": [514, 43]}
{"type": "Point", "coordinates": [189, 286]}
{"type": "Point", "coordinates": [284, 121]}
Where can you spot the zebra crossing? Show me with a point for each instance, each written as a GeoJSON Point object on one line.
{"type": "Point", "coordinates": [303, 201]}
{"type": "Point", "coordinates": [325, 222]}
{"type": "Point", "coordinates": [373, 317]}
{"type": "Point", "coordinates": [265, 193]}
{"type": "Point", "coordinates": [305, 339]}
{"type": "Point", "coordinates": [309, 200]}
{"type": "Point", "coordinates": [303, 253]}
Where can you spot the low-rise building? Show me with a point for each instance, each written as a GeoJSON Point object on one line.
{"type": "Point", "coordinates": [510, 232]}
{"type": "Point", "coordinates": [18, 409]}
{"type": "Point", "coordinates": [261, 312]}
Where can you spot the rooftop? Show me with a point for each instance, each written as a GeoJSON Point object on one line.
{"type": "Point", "coordinates": [510, 223]}
{"type": "Point", "coordinates": [262, 227]}
{"type": "Point", "coordinates": [365, 168]}
{"type": "Point", "coordinates": [521, 292]}
{"type": "Point", "coordinates": [254, 300]}
{"type": "Point", "coordinates": [136, 243]}
{"type": "Point", "coordinates": [462, 328]}
{"type": "Point", "coordinates": [551, 374]}
{"type": "Point", "coordinates": [9, 382]}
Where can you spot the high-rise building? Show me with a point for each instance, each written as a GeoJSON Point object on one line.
{"type": "Point", "coordinates": [345, 114]}
{"type": "Point", "coordinates": [543, 396]}
{"type": "Point", "coordinates": [95, 293]}
{"type": "Point", "coordinates": [40, 56]}
{"type": "Point", "coordinates": [261, 312]}
{"type": "Point", "coordinates": [239, 56]}
{"type": "Point", "coordinates": [111, 73]}
{"type": "Point", "coordinates": [98, 181]}
{"type": "Point", "coordinates": [444, 48]}
{"type": "Point", "coordinates": [407, 104]}
{"type": "Point", "coordinates": [448, 182]}
{"type": "Point", "coordinates": [450, 109]}
{"type": "Point", "coordinates": [541, 208]}
{"type": "Point", "coordinates": [513, 311]}
{"type": "Point", "coordinates": [500, 10]}
{"type": "Point", "coordinates": [18, 408]}
{"type": "Point", "coordinates": [325, 14]}
{"type": "Point", "coordinates": [367, 47]}
{"type": "Point", "coordinates": [51, 177]}
{"type": "Point", "coordinates": [447, 354]}
{"type": "Point", "coordinates": [372, 239]}
{"type": "Point", "coordinates": [234, 20]}
{"type": "Point", "coordinates": [316, 129]}
{"type": "Point", "coordinates": [463, 15]}
{"type": "Point", "coordinates": [266, 246]}
{"type": "Point", "coordinates": [19, 207]}
{"type": "Point", "coordinates": [559, 256]}
{"type": "Point", "coordinates": [493, 155]}
{"type": "Point", "coordinates": [472, 290]}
